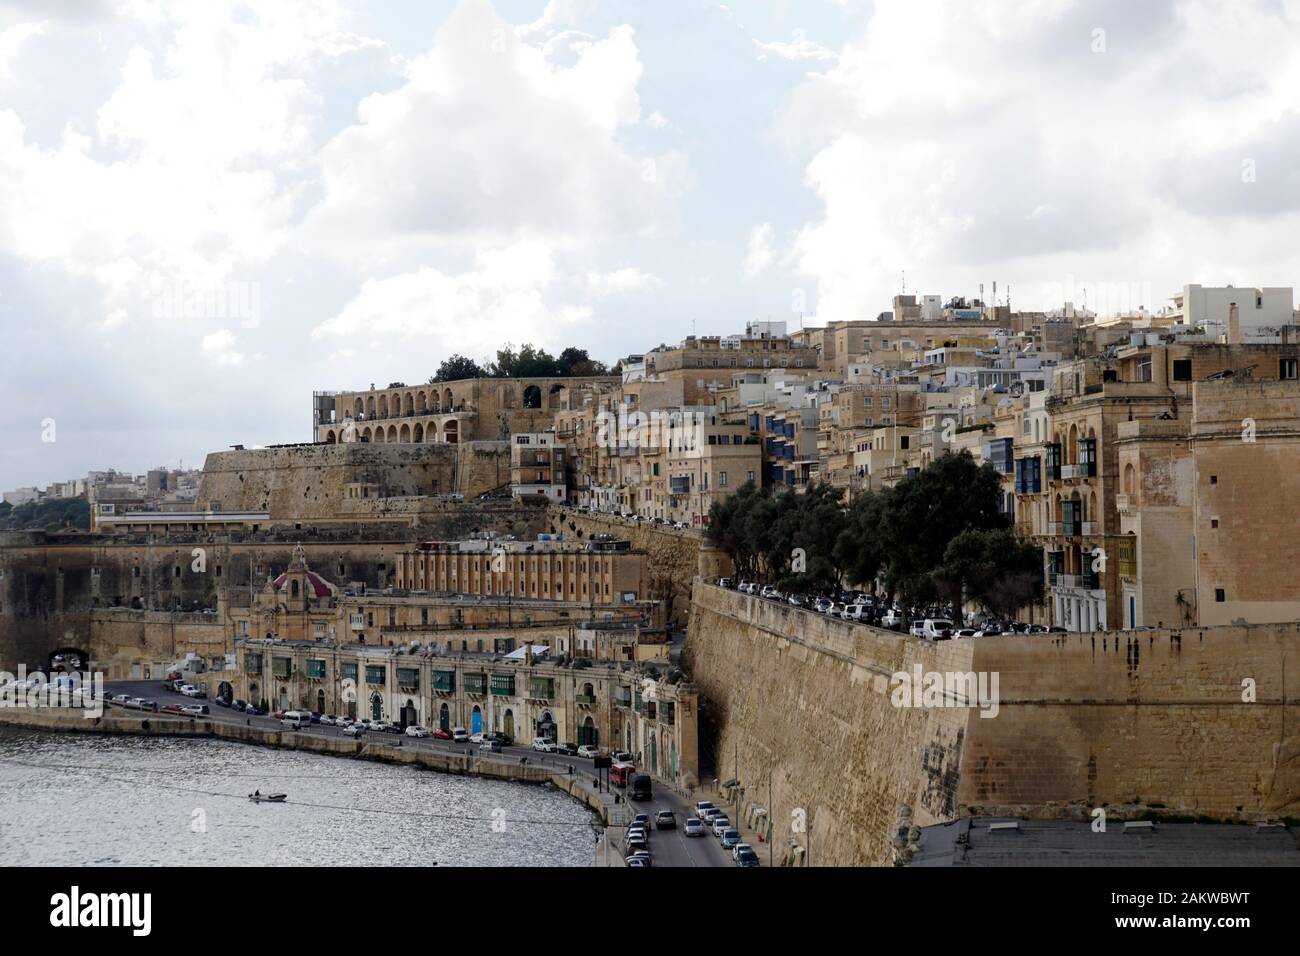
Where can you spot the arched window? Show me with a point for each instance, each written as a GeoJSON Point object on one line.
{"type": "Point", "coordinates": [532, 397]}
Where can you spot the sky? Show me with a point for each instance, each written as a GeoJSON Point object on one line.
{"type": "Point", "coordinates": [209, 209]}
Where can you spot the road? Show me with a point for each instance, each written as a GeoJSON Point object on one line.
{"type": "Point", "coordinates": [668, 847]}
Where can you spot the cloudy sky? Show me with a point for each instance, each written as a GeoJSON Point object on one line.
{"type": "Point", "coordinates": [208, 209]}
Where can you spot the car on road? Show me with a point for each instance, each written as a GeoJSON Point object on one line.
{"type": "Point", "coordinates": [665, 820]}
{"type": "Point", "coordinates": [504, 739]}
{"type": "Point", "coordinates": [720, 824]}
{"type": "Point", "coordinates": [965, 632]}
{"type": "Point", "coordinates": [636, 846]}
{"type": "Point", "coordinates": [460, 735]}
{"type": "Point", "coordinates": [415, 730]}
{"type": "Point", "coordinates": [478, 738]}
{"type": "Point", "coordinates": [239, 705]}
{"type": "Point", "coordinates": [295, 719]}
{"type": "Point", "coordinates": [278, 714]}
{"type": "Point", "coordinates": [725, 583]}
{"type": "Point", "coordinates": [490, 747]}
{"type": "Point", "coordinates": [195, 710]}
{"type": "Point", "coordinates": [694, 827]}
{"type": "Point", "coordinates": [892, 619]}
{"type": "Point", "coordinates": [170, 708]}
{"type": "Point", "coordinates": [254, 710]}
{"type": "Point", "coordinates": [635, 833]}
{"type": "Point", "coordinates": [771, 593]}
{"type": "Point", "coordinates": [587, 750]}
{"type": "Point", "coordinates": [544, 744]}
{"type": "Point", "coordinates": [622, 756]}
{"type": "Point", "coordinates": [730, 838]}
{"type": "Point", "coordinates": [641, 820]}
{"type": "Point", "coordinates": [936, 629]}
{"type": "Point", "coordinates": [379, 726]}
{"type": "Point", "coordinates": [744, 855]}
{"type": "Point", "coordinates": [354, 730]}
{"type": "Point", "coordinates": [639, 861]}
{"type": "Point", "coordinates": [342, 722]}
{"type": "Point", "coordinates": [701, 806]}
{"type": "Point", "coordinates": [797, 600]}
{"type": "Point", "coordinates": [189, 690]}
{"type": "Point", "coordinates": [327, 720]}
{"type": "Point", "coordinates": [119, 699]}
{"type": "Point", "coordinates": [440, 734]}
{"type": "Point", "coordinates": [221, 701]}
{"type": "Point", "coordinates": [567, 750]}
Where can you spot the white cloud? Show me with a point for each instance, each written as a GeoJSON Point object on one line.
{"type": "Point", "coordinates": [946, 143]}
{"type": "Point", "coordinates": [494, 140]}
{"type": "Point", "coordinates": [220, 351]}
{"type": "Point", "coordinates": [600, 285]}
{"type": "Point", "coordinates": [799, 49]}
{"type": "Point", "coordinates": [509, 295]}
{"type": "Point", "coordinates": [11, 42]}
{"type": "Point", "coordinates": [759, 252]}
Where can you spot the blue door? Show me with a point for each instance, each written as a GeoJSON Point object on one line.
{"type": "Point", "coordinates": [476, 721]}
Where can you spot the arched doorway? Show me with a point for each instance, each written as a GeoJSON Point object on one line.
{"type": "Point", "coordinates": [320, 701]}
{"type": "Point", "coordinates": [409, 714]}
{"type": "Point", "coordinates": [376, 706]}
{"type": "Point", "coordinates": [587, 733]}
{"type": "Point", "coordinates": [252, 694]}
{"type": "Point", "coordinates": [509, 726]}
{"type": "Point", "coordinates": [654, 753]}
{"type": "Point", "coordinates": [329, 437]}
{"type": "Point", "coordinates": [283, 699]}
{"type": "Point", "coordinates": [225, 691]}
{"type": "Point", "coordinates": [476, 721]}
{"type": "Point", "coordinates": [532, 397]}
{"type": "Point", "coordinates": [444, 717]}
{"type": "Point", "coordinates": [546, 726]}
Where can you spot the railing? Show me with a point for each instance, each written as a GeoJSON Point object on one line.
{"type": "Point", "coordinates": [1069, 471]}
{"type": "Point", "coordinates": [1086, 582]}
{"type": "Point", "coordinates": [586, 700]}
{"type": "Point", "coordinates": [1124, 505]}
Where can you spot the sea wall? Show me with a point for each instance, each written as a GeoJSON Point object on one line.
{"type": "Point", "coordinates": [1133, 722]}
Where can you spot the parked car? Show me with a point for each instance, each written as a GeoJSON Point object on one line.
{"type": "Point", "coordinates": [478, 738]}
{"type": "Point", "coordinates": [730, 838]}
{"type": "Point", "coordinates": [170, 709]}
{"type": "Point", "coordinates": [622, 756]}
{"type": "Point", "coordinates": [587, 750]}
{"type": "Point", "coordinates": [440, 734]}
{"type": "Point", "coordinates": [294, 718]}
{"type": "Point", "coordinates": [253, 710]}
{"type": "Point", "coordinates": [189, 690]}
{"type": "Point", "coordinates": [724, 583]}
{"type": "Point", "coordinates": [460, 735]}
{"type": "Point", "coordinates": [720, 824]}
{"type": "Point", "coordinates": [892, 619]}
{"type": "Point", "coordinates": [415, 730]}
{"type": "Point", "coordinates": [343, 722]}
{"type": "Point", "coordinates": [327, 720]}
{"type": "Point", "coordinates": [965, 632]}
{"type": "Point", "coordinates": [354, 730]}
{"type": "Point", "coordinates": [195, 710]}
{"type": "Point", "coordinates": [504, 739]}
{"type": "Point", "coordinates": [701, 806]}
{"type": "Point", "coordinates": [746, 857]}
{"type": "Point", "coordinates": [640, 860]}
{"type": "Point", "coordinates": [544, 745]}
{"type": "Point", "coordinates": [221, 701]}
{"type": "Point", "coordinates": [636, 846]}
{"type": "Point", "coordinates": [823, 605]}
{"type": "Point", "coordinates": [797, 600]}
{"type": "Point", "coordinates": [936, 629]}
{"type": "Point", "coordinates": [641, 820]}
{"type": "Point", "coordinates": [855, 612]}
{"type": "Point", "coordinates": [568, 750]}
{"type": "Point", "coordinates": [771, 593]}
{"type": "Point", "coordinates": [239, 705]}
{"type": "Point", "coordinates": [665, 820]}
{"type": "Point", "coordinates": [119, 699]}
{"type": "Point", "coordinates": [694, 827]}
{"type": "Point", "coordinates": [278, 714]}
{"type": "Point", "coordinates": [490, 747]}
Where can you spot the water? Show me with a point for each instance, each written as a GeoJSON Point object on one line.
{"type": "Point", "coordinates": [136, 801]}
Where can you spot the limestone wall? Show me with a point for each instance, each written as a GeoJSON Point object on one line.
{"type": "Point", "coordinates": [310, 482]}
{"type": "Point", "coordinates": [1129, 721]}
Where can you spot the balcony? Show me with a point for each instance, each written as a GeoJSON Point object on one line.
{"type": "Point", "coordinates": [1069, 471]}
{"type": "Point", "coordinates": [476, 684]}
{"type": "Point", "coordinates": [585, 700]}
{"type": "Point", "coordinates": [1084, 582]}
{"type": "Point", "coordinates": [622, 698]}
{"type": "Point", "coordinates": [1125, 505]}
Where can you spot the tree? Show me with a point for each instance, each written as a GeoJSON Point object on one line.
{"type": "Point", "coordinates": [994, 568]}
{"type": "Point", "coordinates": [859, 551]}
{"type": "Point", "coordinates": [455, 368]}
{"type": "Point", "coordinates": [574, 361]}
{"type": "Point", "coordinates": [923, 513]}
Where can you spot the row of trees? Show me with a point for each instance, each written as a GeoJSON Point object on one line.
{"type": "Point", "coordinates": [934, 536]}
{"type": "Point", "coordinates": [53, 514]}
{"type": "Point", "coordinates": [527, 362]}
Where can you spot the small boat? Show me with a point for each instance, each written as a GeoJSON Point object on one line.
{"type": "Point", "coordinates": [268, 797]}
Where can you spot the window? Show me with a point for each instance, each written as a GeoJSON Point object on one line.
{"type": "Point", "coordinates": [1219, 596]}
{"type": "Point", "coordinates": [1182, 370]}
{"type": "Point", "coordinates": [722, 479]}
{"type": "Point", "coordinates": [1287, 368]}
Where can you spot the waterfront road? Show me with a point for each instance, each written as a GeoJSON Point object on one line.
{"type": "Point", "coordinates": [668, 847]}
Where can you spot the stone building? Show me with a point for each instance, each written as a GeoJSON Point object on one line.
{"type": "Point", "coordinates": [538, 466]}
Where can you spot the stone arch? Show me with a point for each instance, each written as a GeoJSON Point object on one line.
{"type": "Point", "coordinates": [408, 404]}
{"type": "Point", "coordinates": [509, 723]}
{"type": "Point", "coordinates": [555, 394]}
{"type": "Point", "coordinates": [330, 439]}
{"type": "Point", "coordinates": [451, 432]}
{"type": "Point", "coordinates": [1130, 483]}
{"type": "Point", "coordinates": [421, 402]}
{"type": "Point", "coordinates": [417, 435]}
{"type": "Point", "coordinates": [358, 408]}
{"type": "Point", "coordinates": [1092, 507]}
{"type": "Point", "coordinates": [379, 434]}
{"type": "Point", "coordinates": [366, 435]}
{"type": "Point", "coordinates": [405, 434]}
{"type": "Point", "coordinates": [370, 407]}
{"type": "Point", "coordinates": [447, 403]}
{"type": "Point", "coordinates": [532, 397]}
{"type": "Point", "coordinates": [444, 717]}
{"type": "Point", "coordinates": [1072, 449]}
{"type": "Point", "coordinates": [383, 406]}
{"type": "Point", "coordinates": [392, 433]}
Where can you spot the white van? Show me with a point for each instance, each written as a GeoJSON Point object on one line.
{"type": "Point", "coordinates": [937, 629]}
{"type": "Point", "coordinates": [296, 719]}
